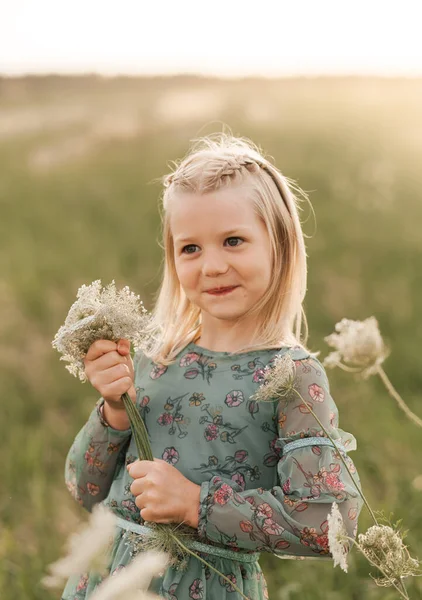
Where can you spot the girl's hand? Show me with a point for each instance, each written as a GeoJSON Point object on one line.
{"type": "Point", "coordinates": [109, 368]}
{"type": "Point", "coordinates": [163, 494]}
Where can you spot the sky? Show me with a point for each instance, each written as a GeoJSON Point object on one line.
{"type": "Point", "coordinates": [227, 38]}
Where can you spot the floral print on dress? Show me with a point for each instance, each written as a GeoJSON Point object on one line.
{"type": "Point", "coordinates": [170, 455]}
{"type": "Point", "coordinates": [196, 590]}
{"type": "Point", "coordinates": [129, 505]}
{"type": "Point", "coordinates": [234, 398]}
{"type": "Point", "coordinates": [93, 489]}
{"type": "Point", "coordinates": [170, 593]}
{"type": "Point", "coordinates": [236, 467]}
{"type": "Point", "coordinates": [226, 584]}
{"type": "Point", "coordinates": [262, 525]}
{"type": "Point", "coordinates": [323, 481]}
{"type": "Point", "coordinates": [253, 367]}
{"type": "Point", "coordinates": [316, 392]}
{"type": "Point", "coordinates": [173, 418]}
{"type": "Point", "coordinates": [93, 460]}
{"type": "Point", "coordinates": [217, 426]}
{"type": "Point", "coordinates": [253, 407]}
{"type": "Point", "coordinates": [272, 457]}
{"type": "Point", "coordinates": [198, 364]}
{"type": "Point", "coordinates": [157, 371]}
{"type": "Point", "coordinates": [196, 399]}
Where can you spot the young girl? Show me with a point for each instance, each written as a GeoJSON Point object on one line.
{"type": "Point", "coordinates": [248, 476]}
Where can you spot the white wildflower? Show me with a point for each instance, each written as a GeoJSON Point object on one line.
{"type": "Point", "coordinates": [384, 548]}
{"type": "Point", "coordinates": [100, 313]}
{"type": "Point", "coordinates": [337, 537]}
{"type": "Point", "coordinates": [87, 550]}
{"type": "Point", "coordinates": [357, 343]}
{"type": "Point", "coordinates": [132, 582]}
{"type": "Point", "coordinates": [278, 380]}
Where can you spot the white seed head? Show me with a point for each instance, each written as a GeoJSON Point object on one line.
{"type": "Point", "coordinates": [100, 313]}
{"type": "Point", "coordinates": [132, 582]}
{"type": "Point", "coordinates": [279, 379]}
{"type": "Point", "coordinates": [383, 547]}
{"type": "Point", "coordinates": [87, 550]}
{"type": "Point", "coordinates": [357, 344]}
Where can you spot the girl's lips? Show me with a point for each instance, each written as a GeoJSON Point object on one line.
{"type": "Point", "coordinates": [222, 291]}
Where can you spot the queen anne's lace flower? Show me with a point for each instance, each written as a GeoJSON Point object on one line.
{"type": "Point", "coordinates": [88, 549]}
{"type": "Point", "coordinates": [357, 343]}
{"type": "Point", "coordinates": [100, 313]}
{"type": "Point", "coordinates": [278, 380]}
{"type": "Point", "coordinates": [337, 537]}
{"type": "Point", "coordinates": [384, 548]}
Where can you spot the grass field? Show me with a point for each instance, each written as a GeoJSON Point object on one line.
{"type": "Point", "coordinates": [79, 158]}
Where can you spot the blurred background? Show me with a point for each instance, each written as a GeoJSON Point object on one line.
{"type": "Point", "coordinates": [96, 100]}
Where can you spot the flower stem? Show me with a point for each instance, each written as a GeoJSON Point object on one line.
{"type": "Point", "coordinates": [392, 391]}
{"type": "Point", "coordinates": [340, 454]}
{"type": "Point", "coordinates": [138, 427]}
{"type": "Point", "coordinates": [401, 584]}
{"type": "Point", "coordinates": [145, 453]}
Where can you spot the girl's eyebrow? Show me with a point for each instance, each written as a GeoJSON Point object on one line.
{"type": "Point", "coordinates": [238, 230]}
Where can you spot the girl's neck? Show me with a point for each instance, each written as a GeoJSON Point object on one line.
{"type": "Point", "coordinates": [225, 340]}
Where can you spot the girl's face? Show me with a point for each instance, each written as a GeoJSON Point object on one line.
{"type": "Point", "coordinates": [220, 242]}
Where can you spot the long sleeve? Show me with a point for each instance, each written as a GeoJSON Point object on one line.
{"type": "Point", "coordinates": [92, 460]}
{"type": "Point", "coordinates": [291, 517]}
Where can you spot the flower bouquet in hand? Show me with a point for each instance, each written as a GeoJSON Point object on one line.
{"type": "Point", "coordinates": [109, 314]}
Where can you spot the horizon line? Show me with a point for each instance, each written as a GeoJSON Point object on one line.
{"type": "Point", "coordinates": [211, 75]}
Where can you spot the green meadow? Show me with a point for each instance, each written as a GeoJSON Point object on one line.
{"type": "Point", "coordinates": [79, 198]}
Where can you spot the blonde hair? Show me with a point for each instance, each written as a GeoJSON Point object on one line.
{"type": "Point", "coordinates": [213, 163]}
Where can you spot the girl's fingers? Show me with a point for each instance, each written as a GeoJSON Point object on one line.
{"type": "Point", "coordinates": [137, 487]}
{"type": "Point", "coordinates": [104, 347]}
{"type": "Point", "coordinates": [99, 348]}
{"type": "Point", "coordinates": [115, 390]}
{"type": "Point", "coordinates": [109, 371]}
{"type": "Point", "coordinates": [123, 347]}
{"type": "Point", "coordinates": [110, 360]}
{"type": "Point", "coordinates": [113, 374]}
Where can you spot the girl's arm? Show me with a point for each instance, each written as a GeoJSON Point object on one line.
{"type": "Point", "coordinates": [96, 452]}
{"type": "Point", "coordinates": [291, 517]}
{"type": "Point", "coordinates": [92, 459]}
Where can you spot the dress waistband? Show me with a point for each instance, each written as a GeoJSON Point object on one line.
{"type": "Point", "coordinates": [246, 557]}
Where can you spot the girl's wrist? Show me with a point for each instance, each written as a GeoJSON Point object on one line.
{"type": "Point", "coordinates": [111, 417]}
{"type": "Point", "coordinates": [192, 517]}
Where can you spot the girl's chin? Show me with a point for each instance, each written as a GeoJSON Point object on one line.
{"type": "Point", "coordinates": [223, 313]}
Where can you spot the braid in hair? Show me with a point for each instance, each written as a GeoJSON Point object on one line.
{"type": "Point", "coordinates": [252, 164]}
{"type": "Point", "coordinates": [230, 166]}
{"type": "Point", "coordinates": [235, 163]}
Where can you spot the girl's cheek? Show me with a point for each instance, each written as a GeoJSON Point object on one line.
{"type": "Point", "coordinates": [186, 275]}
{"type": "Point", "coordinates": [180, 271]}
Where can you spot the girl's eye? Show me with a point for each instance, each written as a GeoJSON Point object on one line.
{"type": "Point", "coordinates": [188, 249]}
{"type": "Point", "coordinates": [235, 239]}
{"type": "Point", "coordinates": [231, 241]}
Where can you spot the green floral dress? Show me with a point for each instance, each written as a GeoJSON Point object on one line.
{"type": "Point", "coordinates": [267, 471]}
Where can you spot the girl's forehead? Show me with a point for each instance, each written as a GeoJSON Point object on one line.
{"type": "Point", "coordinates": [232, 205]}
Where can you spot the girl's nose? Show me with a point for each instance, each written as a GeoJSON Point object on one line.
{"type": "Point", "coordinates": [214, 264]}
